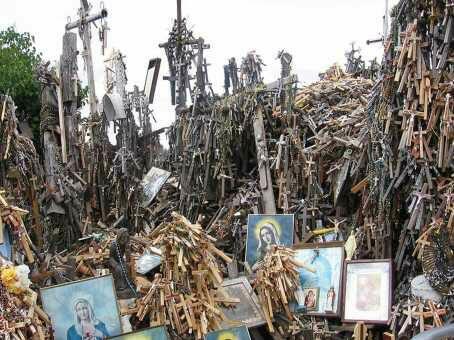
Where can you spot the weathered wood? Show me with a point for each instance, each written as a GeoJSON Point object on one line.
{"type": "Point", "coordinates": [266, 185]}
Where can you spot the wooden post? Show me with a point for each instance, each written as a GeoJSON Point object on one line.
{"type": "Point", "coordinates": [61, 117]}
{"type": "Point", "coordinates": [85, 22]}
{"type": "Point", "coordinates": [68, 84]}
{"type": "Point", "coordinates": [266, 185]}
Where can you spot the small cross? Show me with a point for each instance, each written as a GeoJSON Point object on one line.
{"type": "Point", "coordinates": [336, 224]}
{"type": "Point", "coordinates": [410, 313]}
{"type": "Point", "coordinates": [394, 314]}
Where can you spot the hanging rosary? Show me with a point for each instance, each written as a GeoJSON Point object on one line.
{"type": "Point", "coordinates": [123, 270]}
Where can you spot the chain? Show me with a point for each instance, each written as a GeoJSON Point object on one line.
{"type": "Point", "coordinates": [123, 270]}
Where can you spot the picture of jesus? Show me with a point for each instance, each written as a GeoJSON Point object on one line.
{"type": "Point", "coordinates": [330, 296]}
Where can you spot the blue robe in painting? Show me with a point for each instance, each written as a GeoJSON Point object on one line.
{"type": "Point", "coordinates": [73, 335]}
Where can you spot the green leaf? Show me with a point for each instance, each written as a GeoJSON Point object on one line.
{"type": "Point", "coordinates": [18, 61]}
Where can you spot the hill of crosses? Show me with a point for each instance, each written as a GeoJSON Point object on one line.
{"type": "Point", "coordinates": [274, 210]}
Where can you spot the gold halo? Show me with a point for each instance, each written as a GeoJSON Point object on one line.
{"type": "Point", "coordinates": [136, 337]}
{"type": "Point", "coordinates": [227, 335]}
{"type": "Point", "coordinates": [276, 225]}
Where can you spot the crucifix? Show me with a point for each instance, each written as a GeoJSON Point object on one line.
{"type": "Point", "coordinates": [84, 25]}
{"type": "Point", "coordinates": [419, 142]}
{"type": "Point", "coordinates": [183, 50]}
{"type": "Point", "coordinates": [174, 48]}
{"type": "Point", "coordinates": [394, 316]}
{"type": "Point", "coordinates": [336, 223]}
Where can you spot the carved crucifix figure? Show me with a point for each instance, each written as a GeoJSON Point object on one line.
{"type": "Point", "coordinates": [84, 25]}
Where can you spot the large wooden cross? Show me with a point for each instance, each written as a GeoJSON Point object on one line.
{"type": "Point", "coordinates": [84, 25]}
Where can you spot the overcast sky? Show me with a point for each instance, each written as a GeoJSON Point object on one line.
{"type": "Point", "coordinates": [316, 32]}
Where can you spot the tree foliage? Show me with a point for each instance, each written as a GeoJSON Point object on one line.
{"type": "Point", "coordinates": [18, 61]}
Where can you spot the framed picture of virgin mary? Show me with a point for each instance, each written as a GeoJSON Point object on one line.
{"type": "Point", "coordinates": [85, 309]}
{"type": "Point", "coordinates": [264, 231]}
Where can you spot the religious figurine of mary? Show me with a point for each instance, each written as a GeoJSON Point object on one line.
{"type": "Point", "coordinates": [86, 326]}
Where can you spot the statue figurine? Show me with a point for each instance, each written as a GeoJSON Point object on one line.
{"type": "Point", "coordinates": [118, 259]}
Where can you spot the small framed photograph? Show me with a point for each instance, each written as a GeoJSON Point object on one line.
{"type": "Point", "coordinates": [236, 333]}
{"type": "Point", "coordinates": [320, 278]}
{"type": "Point", "coordinates": [264, 231]}
{"type": "Point", "coordinates": [85, 309]}
{"type": "Point", "coordinates": [248, 312]}
{"type": "Point", "coordinates": [311, 298]}
{"type": "Point", "coordinates": [367, 291]}
{"type": "Point", "coordinates": [155, 333]}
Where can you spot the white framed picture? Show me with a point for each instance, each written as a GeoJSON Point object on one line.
{"type": "Point", "coordinates": [367, 291]}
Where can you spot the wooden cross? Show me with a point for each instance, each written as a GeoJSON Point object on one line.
{"type": "Point", "coordinates": [360, 331]}
{"type": "Point", "coordinates": [84, 25]}
{"type": "Point", "coordinates": [394, 314]}
{"type": "Point", "coordinates": [433, 313]}
{"type": "Point", "coordinates": [436, 318]}
{"type": "Point", "coordinates": [421, 242]}
{"type": "Point", "coordinates": [420, 141]}
{"type": "Point", "coordinates": [410, 313]}
{"type": "Point", "coordinates": [421, 316]}
{"type": "Point", "coordinates": [308, 168]}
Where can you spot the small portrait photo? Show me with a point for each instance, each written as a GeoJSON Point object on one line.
{"type": "Point", "coordinates": [264, 231]}
{"type": "Point", "coordinates": [330, 299]}
{"type": "Point", "coordinates": [156, 333]}
{"type": "Point", "coordinates": [236, 333]}
{"type": "Point", "coordinates": [85, 309]}
{"type": "Point", "coordinates": [311, 298]}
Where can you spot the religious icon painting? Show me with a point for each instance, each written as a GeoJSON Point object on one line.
{"type": "Point", "coordinates": [320, 278]}
{"type": "Point", "coordinates": [152, 183]}
{"type": "Point", "coordinates": [236, 333]}
{"type": "Point", "coordinates": [367, 291]}
{"type": "Point", "coordinates": [85, 309]}
{"type": "Point", "coordinates": [311, 298]}
{"type": "Point", "coordinates": [155, 333]}
{"type": "Point", "coordinates": [248, 311]}
{"type": "Point", "coordinates": [264, 231]}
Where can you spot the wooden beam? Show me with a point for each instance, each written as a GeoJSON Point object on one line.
{"type": "Point", "coordinates": [266, 186]}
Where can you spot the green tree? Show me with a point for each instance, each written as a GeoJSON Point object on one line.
{"type": "Point", "coordinates": [18, 61]}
